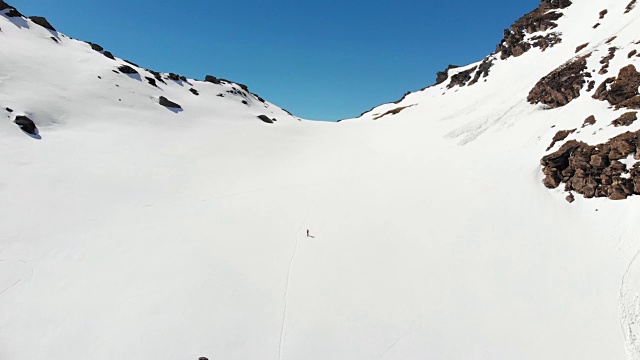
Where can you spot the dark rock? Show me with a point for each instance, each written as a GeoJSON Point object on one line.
{"type": "Point", "coordinates": [630, 6]}
{"type": "Point", "coordinates": [95, 47]}
{"type": "Point", "coordinates": [483, 70]}
{"type": "Point", "coordinates": [127, 69]}
{"type": "Point", "coordinates": [621, 91]}
{"type": "Point", "coordinates": [245, 102]}
{"type": "Point", "coordinates": [541, 19]}
{"type": "Point", "coordinates": [603, 13]}
{"type": "Point", "coordinates": [461, 78]}
{"type": "Point", "coordinates": [243, 87]}
{"type": "Point", "coordinates": [442, 76]}
{"type": "Point", "coordinates": [562, 85]}
{"type": "Point", "coordinates": [194, 91]}
{"type": "Point", "coordinates": [151, 81]}
{"type": "Point", "coordinates": [570, 198]}
{"type": "Point", "coordinates": [130, 63]}
{"type": "Point", "coordinates": [559, 136]}
{"type": "Point", "coordinates": [581, 47]}
{"type": "Point", "coordinates": [168, 103]}
{"type": "Point", "coordinates": [266, 119]}
{"type": "Point", "coordinates": [26, 124]}
{"type": "Point", "coordinates": [632, 53]}
{"type": "Point", "coordinates": [183, 78]}
{"type": "Point", "coordinates": [42, 22]}
{"type": "Point", "coordinates": [202, 358]}
{"type": "Point", "coordinates": [109, 55]}
{"type": "Point", "coordinates": [606, 60]}
{"type": "Point", "coordinates": [625, 119]}
{"type": "Point", "coordinates": [392, 112]}
{"type": "Point", "coordinates": [589, 121]}
{"type": "Point", "coordinates": [12, 11]}
{"type": "Point", "coordinates": [156, 75]}
{"type": "Point", "coordinates": [174, 77]}
{"type": "Point", "coordinates": [212, 79]}
{"type": "Point", "coordinates": [9, 110]}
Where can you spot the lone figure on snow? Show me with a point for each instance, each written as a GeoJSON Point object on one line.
{"type": "Point", "coordinates": [308, 233]}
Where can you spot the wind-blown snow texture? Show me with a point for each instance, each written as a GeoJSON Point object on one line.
{"type": "Point", "coordinates": [136, 231]}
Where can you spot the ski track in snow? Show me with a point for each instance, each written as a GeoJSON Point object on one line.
{"type": "Point", "coordinates": [21, 278]}
{"type": "Point", "coordinates": [630, 308]}
{"type": "Point", "coordinates": [395, 343]}
{"type": "Point", "coordinates": [293, 257]}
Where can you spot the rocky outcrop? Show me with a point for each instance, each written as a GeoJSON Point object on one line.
{"type": "Point", "coordinates": [26, 124]}
{"type": "Point", "coordinates": [109, 55]}
{"type": "Point", "coordinates": [95, 47]}
{"type": "Point", "coordinates": [151, 81]}
{"type": "Point", "coordinates": [630, 6]}
{"type": "Point", "coordinates": [621, 91]}
{"type": "Point", "coordinates": [562, 85]}
{"type": "Point", "coordinates": [42, 22]}
{"type": "Point", "coordinates": [483, 70]}
{"type": "Point", "coordinates": [442, 76]}
{"type": "Point", "coordinates": [625, 119]}
{"type": "Point", "coordinates": [194, 92]}
{"type": "Point", "coordinates": [126, 69]}
{"type": "Point", "coordinates": [266, 119]}
{"type": "Point", "coordinates": [461, 78]}
{"type": "Point", "coordinates": [559, 136]}
{"type": "Point", "coordinates": [595, 171]}
{"type": "Point", "coordinates": [589, 121]}
{"type": "Point", "coordinates": [168, 103]}
{"type": "Point", "coordinates": [212, 79]}
{"type": "Point", "coordinates": [392, 112]}
{"type": "Point", "coordinates": [606, 60]}
{"type": "Point", "coordinates": [541, 19]}
{"type": "Point", "coordinates": [12, 11]}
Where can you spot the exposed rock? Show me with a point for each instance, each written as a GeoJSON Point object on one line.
{"type": "Point", "coordinates": [570, 198]}
{"type": "Point", "coordinates": [183, 78]}
{"type": "Point", "coordinates": [442, 76]}
{"type": "Point", "coordinates": [26, 124]}
{"type": "Point", "coordinates": [461, 78]}
{"type": "Point", "coordinates": [130, 63]}
{"type": "Point", "coordinates": [109, 55]}
{"type": "Point", "coordinates": [245, 102]}
{"type": "Point", "coordinates": [603, 13]}
{"type": "Point", "coordinates": [392, 112]}
{"type": "Point", "coordinates": [606, 60]}
{"type": "Point", "coordinates": [9, 110]}
{"type": "Point", "coordinates": [625, 119]}
{"type": "Point", "coordinates": [589, 121]}
{"type": "Point", "coordinates": [540, 19]}
{"type": "Point", "coordinates": [610, 40]}
{"type": "Point", "coordinates": [266, 119]}
{"type": "Point", "coordinates": [168, 103]}
{"type": "Point", "coordinates": [126, 69]}
{"type": "Point", "coordinates": [202, 358]}
{"type": "Point", "coordinates": [596, 25]}
{"type": "Point", "coordinates": [630, 6]}
{"type": "Point", "coordinates": [54, 39]}
{"type": "Point", "coordinates": [595, 171]}
{"type": "Point", "coordinates": [562, 85]}
{"type": "Point", "coordinates": [174, 77]}
{"type": "Point", "coordinates": [156, 75]}
{"type": "Point", "coordinates": [632, 53]}
{"type": "Point", "coordinates": [151, 81]}
{"type": "Point", "coordinates": [559, 136]}
{"type": "Point", "coordinates": [42, 22]}
{"type": "Point", "coordinates": [483, 70]}
{"type": "Point", "coordinates": [581, 47]}
{"type": "Point", "coordinates": [591, 85]}
{"type": "Point", "coordinates": [212, 79]}
{"type": "Point", "coordinates": [12, 11]}
{"type": "Point", "coordinates": [194, 91]}
{"type": "Point", "coordinates": [621, 91]}
{"type": "Point", "coordinates": [95, 47]}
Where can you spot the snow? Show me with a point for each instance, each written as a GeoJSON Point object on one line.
{"type": "Point", "coordinates": [129, 231]}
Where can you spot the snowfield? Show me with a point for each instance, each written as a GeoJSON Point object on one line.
{"type": "Point", "coordinates": [134, 231]}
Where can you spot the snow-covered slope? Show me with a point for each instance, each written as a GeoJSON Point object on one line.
{"type": "Point", "coordinates": [132, 230]}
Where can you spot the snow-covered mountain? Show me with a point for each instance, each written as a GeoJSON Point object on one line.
{"type": "Point", "coordinates": [490, 216]}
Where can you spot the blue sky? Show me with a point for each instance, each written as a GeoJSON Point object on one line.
{"type": "Point", "coordinates": [319, 59]}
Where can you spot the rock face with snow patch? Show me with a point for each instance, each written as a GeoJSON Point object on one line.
{"type": "Point", "coordinates": [621, 91]}
{"type": "Point", "coordinates": [562, 85]}
{"type": "Point", "coordinates": [596, 171]}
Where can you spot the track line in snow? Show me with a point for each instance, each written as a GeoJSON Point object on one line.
{"type": "Point", "coordinates": [293, 257]}
{"type": "Point", "coordinates": [395, 343]}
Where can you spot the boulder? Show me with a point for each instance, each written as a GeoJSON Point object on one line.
{"type": "Point", "coordinates": [42, 22]}
{"type": "Point", "coordinates": [109, 55]}
{"type": "Point", "coordinates": [168, 103]}
{"type": "Point", "coordinates": [126, 69]}
{"type": "Point", "coordinates": [625, 119]}
{"type": "Point", "coordinates": [26, 124]}
{"type": "Point", "coordinates": [266, 119]}
{"type": "Point", "coordinates": [589, 121]}
{"type": "Point", "coordinates": [621, 91]}
{"type": "Point", "coordinates": [194, 91]}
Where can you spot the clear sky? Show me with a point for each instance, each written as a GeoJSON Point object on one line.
{"type": "Point", "coordinates": [319, 59]}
